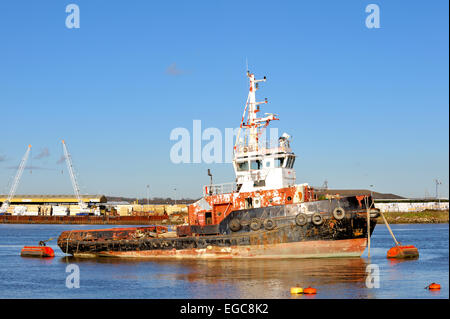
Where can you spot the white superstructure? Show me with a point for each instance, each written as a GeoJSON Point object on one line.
{"type": "Point", "coordinates": [258, 165]}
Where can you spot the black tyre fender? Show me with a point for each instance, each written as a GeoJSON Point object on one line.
{"type": "Point", "coordinates": [374, 212]}
{"type": "Point", "coordinates": [255, 224]}
{"type": "Point", "coordinates": [339, 213]}
{"type": "Point", "coordinates": [269, 224]}
{"type": "Point", "coordinates": [317, 219]}
{"type": "Point", "coordinates": [301, 219]}
{"type": "Point", "coordinates": [235, 224]}
{"type": "Point", "coordinates": [245, 222]}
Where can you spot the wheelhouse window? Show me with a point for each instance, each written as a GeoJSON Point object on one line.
{"type": "Point", "coordinates": [279, 162]}
{"type": "Point", "coordinates": [242, 166]}
{"type": "Point", "coordinates": [255, 165]}
{"type": "Point", "coordinates": [290, 162]}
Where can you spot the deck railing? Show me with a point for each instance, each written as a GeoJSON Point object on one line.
{"type": "Point", "coordinates": [264, 148]}
{"type": "Point", "coordinates": [218, 189]}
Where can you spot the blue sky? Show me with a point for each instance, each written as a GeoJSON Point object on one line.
{"type": "Point", "coordinates": [364, 106]}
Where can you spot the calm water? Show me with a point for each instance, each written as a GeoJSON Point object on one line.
{"type": "Point", "coordinates": [333, 278]}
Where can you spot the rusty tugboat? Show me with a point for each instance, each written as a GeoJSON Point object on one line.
{"type": "Point", "coordinates": [263, 214]}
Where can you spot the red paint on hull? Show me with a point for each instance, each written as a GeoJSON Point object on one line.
{"type": "Point", "coordinates": [37, 251]}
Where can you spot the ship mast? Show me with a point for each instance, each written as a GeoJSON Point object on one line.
{"type": "Point", "coordinates": [254, 124]}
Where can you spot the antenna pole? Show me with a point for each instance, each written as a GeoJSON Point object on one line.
{"type": "Point", "coordinates": [438, 182]}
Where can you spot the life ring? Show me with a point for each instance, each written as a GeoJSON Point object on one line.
{"type": "Point", "coordinates": [338, 213]}
{"type": "Point", "coordinates": [317, 219]}
{"type": "Point", "coordinates": [301, 219]}
{"type": "Point", "coordinates": [255, 224]}
{"type": "Point", "coordinates": [269, 224]}
{"type": "Point", "coordinates": [235, 224]}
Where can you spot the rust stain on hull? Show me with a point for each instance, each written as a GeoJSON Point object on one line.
{"type": "Point", "coordinates": [280, 232]}
{"type": "Point", "coordinates": [309, 249]}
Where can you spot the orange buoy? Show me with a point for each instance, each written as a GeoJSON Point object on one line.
{"type": "Point", "coordinates": [403, 252]}
{"type": "Point", "coordinates": [434, 286]}
{"type": "Point", "coordinates": [310, 290]}
{"type": "Point", "coordinates": [37, 251]}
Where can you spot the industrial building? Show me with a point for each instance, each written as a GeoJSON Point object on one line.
{"type": "Point", "coordinates": [53, 199]}
{"type": "Point", "coordinates": [63, 205]}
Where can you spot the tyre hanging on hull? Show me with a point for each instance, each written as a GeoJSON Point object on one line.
{"type": "Point", "coordinates": [317, 219]}
{"type": "Point", "coordinates": [255, 224]}
{"type": "Point", "coordinates": [269, 224]}
{"type": "Point", "coordinates": [338, 213]}
{"type": "Point", "coordinates": [235, 224]}
{"type": "Point", "coordinates": [301, 219]}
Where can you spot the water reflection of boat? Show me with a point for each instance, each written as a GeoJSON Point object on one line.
{"type": "Point", "coordinates": [327, 271]}
{"type": "Point", "coordinates": [247, 278]}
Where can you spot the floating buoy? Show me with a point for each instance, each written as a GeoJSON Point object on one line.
{"type": "Point", "coordinates": [37, 251]}
{"type": "Point", "coordinates": [310, 290]}
{"type": "Point", "coordinates": [434, 286]}
{"type": "Point", "coordinates": [296, 290]}
{"type": "Point", "coordinates": [399, 252]}
{"type": "Point", "coordinates": [403, 252]}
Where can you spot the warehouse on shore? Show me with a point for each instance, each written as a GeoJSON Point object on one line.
{"type": "Point", "coordinates": [68, 205]}
{"type": "Point", "coordinates": [45, 205]}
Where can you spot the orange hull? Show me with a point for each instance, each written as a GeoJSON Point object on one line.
{"type": "Point", "coordinates": [37, 251]}
{"type": "Point", "coordinates": [403, 252]}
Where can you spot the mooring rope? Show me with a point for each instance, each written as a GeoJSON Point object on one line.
{"type": "Point", "coordinates": [67, 241]}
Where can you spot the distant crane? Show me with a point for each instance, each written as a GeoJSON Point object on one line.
{"type": "Point", "coordinates": [83, 207]}
{"type": "Point", "coordinates": [7, 202]}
